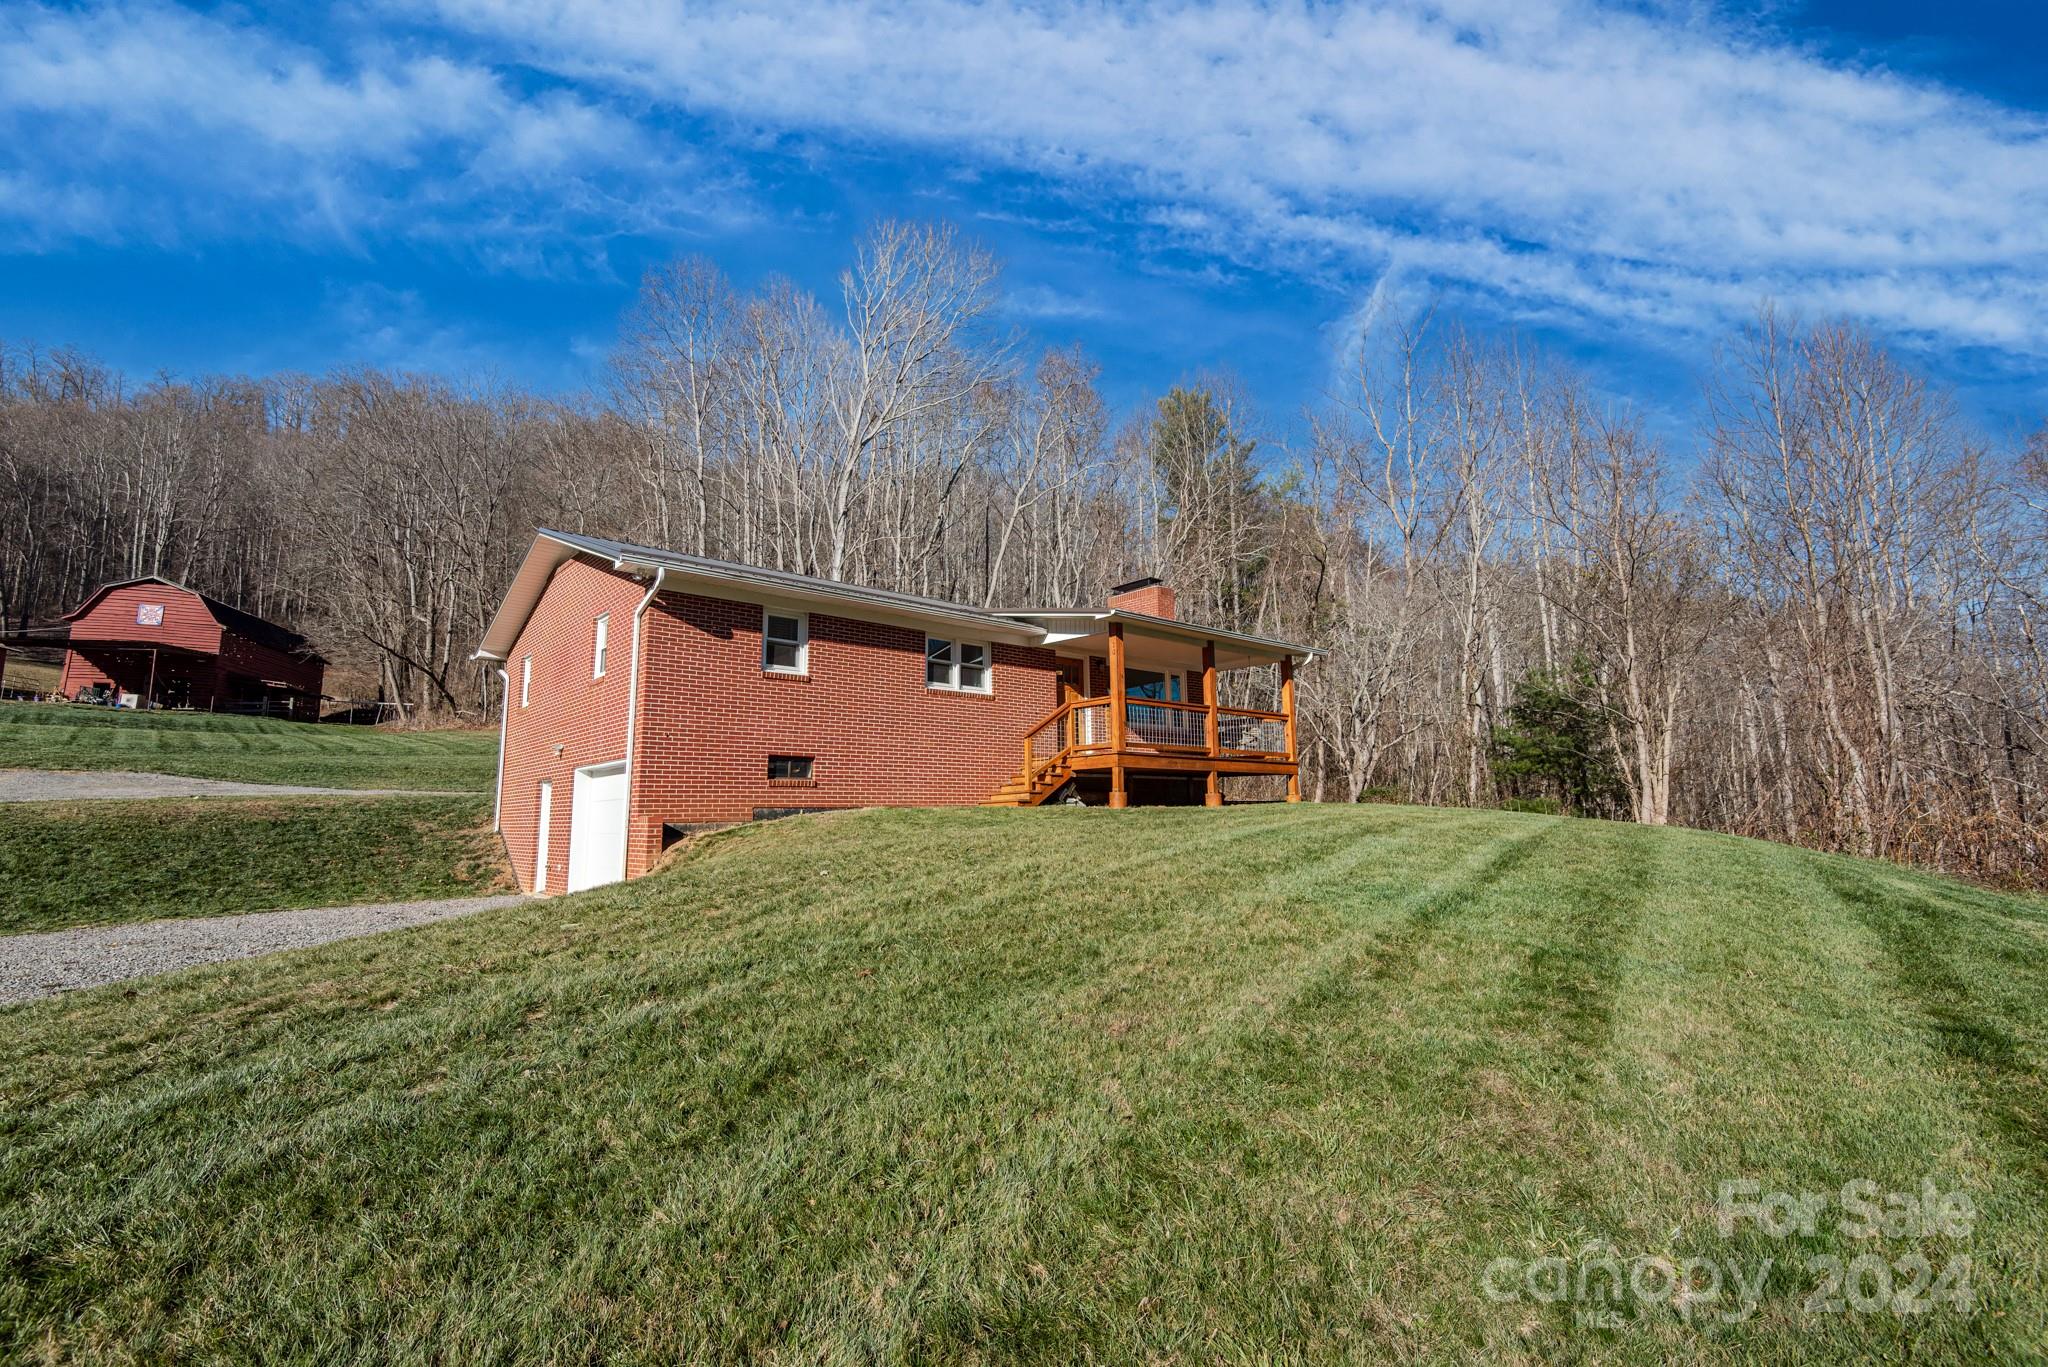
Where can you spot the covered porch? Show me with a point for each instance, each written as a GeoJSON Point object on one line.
{"type": "Point", "coordinates": [1140, 715]}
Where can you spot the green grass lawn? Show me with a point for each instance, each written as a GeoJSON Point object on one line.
{"type": "Point", "coordinates": [246, 749]}
{"type": "Point", "coordinates": [91, 863]}
{"type": "Point", "coordinates": [1266, 1084]}
{"type": "Point", "coordinates": [29, 676]}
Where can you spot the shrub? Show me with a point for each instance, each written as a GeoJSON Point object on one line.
{"type": "Point", "coordinates": [1541, 806]}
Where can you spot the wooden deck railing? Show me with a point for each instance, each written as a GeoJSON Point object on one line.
{"type": "Point", "coordinates": [1241, 732]}
{"type": "Point", "coordinates": [1152, 726]}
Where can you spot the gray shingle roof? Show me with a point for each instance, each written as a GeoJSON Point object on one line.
{"type": "Point", "coordinates": [806, 584]}
{"type": "Point", "coordinates": [541, 563]}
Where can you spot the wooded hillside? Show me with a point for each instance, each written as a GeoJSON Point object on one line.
{"type": "Point", "coordinates": [1818, 622]}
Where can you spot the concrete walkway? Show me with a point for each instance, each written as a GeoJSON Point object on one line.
{"type": "Point", "coordinates": [73, 785]}
{"type": "Point", "coordinates": [45, 964]}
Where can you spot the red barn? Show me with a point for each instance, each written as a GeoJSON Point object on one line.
{"type": "Point", "coordinates": [171, 647]}
{"type": "Point", "coordinates": [648, 692]}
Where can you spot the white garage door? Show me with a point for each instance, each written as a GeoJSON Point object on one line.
{"type": "Point", "coordinates": [597, 827]}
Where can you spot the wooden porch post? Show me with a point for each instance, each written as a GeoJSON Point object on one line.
{"type": "Point", "coordinates": [1214, 796]}
{"type": "Point", "coordinates": [1287, 709]}
{"type": "Point", "coordinates": [1117, 796]}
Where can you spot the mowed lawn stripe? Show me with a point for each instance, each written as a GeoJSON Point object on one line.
{"type": "Point", "coordinates": [1917, 935]}
{"type": "Point", "coordinates": [1357, 1107]}
{"type": "Point", "coordinates": [1750, 974]}
{"type": "Point", "coordinates": [771, 1077]}
{"type": "Point", "coordinates": [246, 749]}
{"type": "Point", "coordinates": [1261, 1084]}
{"type": "Point", "coordinates": [1068, 1120]}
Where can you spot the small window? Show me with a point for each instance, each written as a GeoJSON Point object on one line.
{"type": "Point", "coordinates": [785, 642]}
{"type": "Point", "coordinates": [974, 666]}
{"type": "Point", "coordinates": [789, 767]}
{"type": "Point", "coordinates": [938, 662]}
{"type": "Point", "coordinates": [604, 641]}
{"type": "Point", "coordinates": [959, 665]}
{"type": "Point", "coordinates": [525, 678]}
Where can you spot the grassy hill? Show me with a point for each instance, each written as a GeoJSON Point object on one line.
{"type": "Point", "coordinates": [246, 749]}
{"type": "Point", "coordinates": [1280, 1083]}
{"type": "Point", "coordinates": [68, 864]}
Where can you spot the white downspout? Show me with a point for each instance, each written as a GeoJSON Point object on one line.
{"type": "Point", "coordinates": [504, 715]}
{"type": "Point", "coordinates": [633, 711]}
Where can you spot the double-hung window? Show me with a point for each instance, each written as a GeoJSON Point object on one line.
{"type": "Point", "coordinates": [785, 642]}
{"type": "Point", "coordinates": [602, 651]}
{"type": "Point", "coordinates": [961, 666]}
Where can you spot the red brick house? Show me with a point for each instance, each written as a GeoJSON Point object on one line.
{"type": "Point", "coordinates": [647, 692]}
{"type": "Point", "coordinates": [171, 647]}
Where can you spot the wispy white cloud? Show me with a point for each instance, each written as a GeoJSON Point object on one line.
{"type": "Point", "coordinates": [1643, 164]}
{"type": "Point", "coordinates": [1044, 302]}
{"type": "Point", "coordinates": [1647, 167]}
{"type": "Point", "coordinates": [185, 124]}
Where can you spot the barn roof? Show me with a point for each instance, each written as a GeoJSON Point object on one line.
{"type": "Point", "coordinates": [551, 548]}
{"type": "Point", "coordinates": [247, 625]}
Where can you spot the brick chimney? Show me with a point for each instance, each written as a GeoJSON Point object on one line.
{"type": "Point", "coordinates": [1149, 596]}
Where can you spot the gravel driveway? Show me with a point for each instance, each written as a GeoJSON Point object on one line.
{"type": "Point", "coordinates": [45, 964]}
{"type": "Point", "coordinates": [66, 785]}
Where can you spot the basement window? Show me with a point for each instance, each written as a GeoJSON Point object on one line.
{"type": "Point", "coordinates": [961, 666]}
{"type": "Point", "coordinates": [789, 768]}
{"type": "Point", "coordinates": [785, 642]}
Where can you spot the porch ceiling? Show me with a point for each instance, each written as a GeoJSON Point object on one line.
{"type": "Point", "coordinates": [1160, 643]}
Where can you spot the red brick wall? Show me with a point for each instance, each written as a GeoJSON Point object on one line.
{"type": "Point", "coordinates": [566, 707]}
{"type": "Point", "coordinates": [1155, 600]}
{"type": "Point", "coordinates": [710, 717]}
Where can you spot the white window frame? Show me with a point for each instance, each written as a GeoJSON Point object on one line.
{"type": "Point", "coordinates": [802, 641]}
{"type": "Point", "coordinates": [525, 678]}
{"type": "Point", "coordinates": [602, 646]}
{"type": "Point", "coordinates": [953, 685]}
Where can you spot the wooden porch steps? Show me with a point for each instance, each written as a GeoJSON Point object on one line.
{"type": "Point", "coordinates": [1018, 793]}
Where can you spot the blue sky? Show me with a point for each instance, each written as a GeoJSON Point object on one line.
{"type": "Point", "coordinates": [475, 186]}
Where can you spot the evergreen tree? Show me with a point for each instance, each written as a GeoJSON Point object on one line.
{"type": "Point", "coordinates": [1554, 742]}
{"type": "Point", "coordinates": [1213, 509]}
